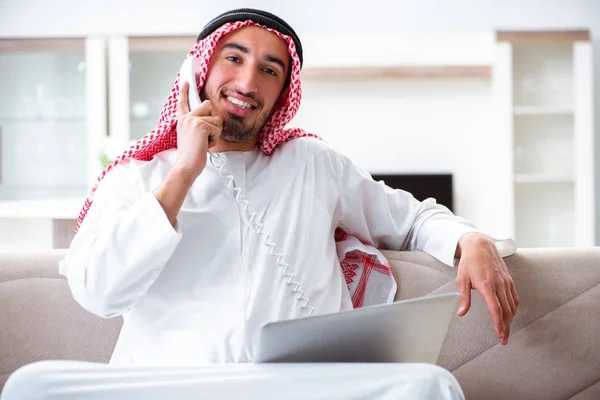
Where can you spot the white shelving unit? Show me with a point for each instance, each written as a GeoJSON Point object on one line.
{"type": "Point", "coordinates": [52, 116]}
{"type": "Point", "coordinates": [543, 86]}
{"type": "Point", "coordinates": [543, 178]}
{"type": "Point", "coordinates": [541, 110]}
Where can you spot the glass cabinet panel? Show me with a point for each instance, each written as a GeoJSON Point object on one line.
{"type": "Point", "coordinates": [43, 145]}
{"type": "Point", "coordinates": [153, 66]}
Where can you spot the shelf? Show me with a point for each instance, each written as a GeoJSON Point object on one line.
{"type": "Point", "coordinates": [541, 37]}
{"type": "Point", "coordinates": [161, 43]}
{"type": "Point", "coordinates": [67, 208]}
{"type": "Point", "coordinates": [543, 178]}
{"type": "Point", "coordinates": [542, 110]}
{"type": "Point", "coordinates": [42, 45]}
{"type": "Point", "coordinates": [42, 120]}
{"type": "Point", "coordinates": [395, 72]}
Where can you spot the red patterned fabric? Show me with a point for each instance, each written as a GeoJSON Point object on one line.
{"type": "Point", "coordinates": [357, 265]}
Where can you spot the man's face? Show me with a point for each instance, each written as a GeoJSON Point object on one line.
{"type": "Point", "coordinates": [246, 75]}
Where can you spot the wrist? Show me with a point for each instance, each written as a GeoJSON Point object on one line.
{"type": "Point", "coordinates": [183, 174]}
{"type": "Point", "coordinates": [472, 240]}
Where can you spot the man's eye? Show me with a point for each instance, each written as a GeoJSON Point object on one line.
{"type": "Point", "coordinates": [270, 71]}
{"type": "Point", "coordinates": [233, 59]}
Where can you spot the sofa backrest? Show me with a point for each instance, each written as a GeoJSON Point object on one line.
{"type": "Point", "coordinates": [553, 353]}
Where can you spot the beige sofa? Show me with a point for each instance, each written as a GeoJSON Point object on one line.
{"type": "Point", "coordinates": [554, 351]}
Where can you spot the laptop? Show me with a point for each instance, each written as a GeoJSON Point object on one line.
{"type": "Point", "coordinates": [401, 332]}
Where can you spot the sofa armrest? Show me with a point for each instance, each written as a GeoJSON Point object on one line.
{"type": "Point", "coordinates": [23, 265]}
{"type": "Point", "coordinates": [39, 320]}
{"type": "Point", "coordinates": [553, 350]}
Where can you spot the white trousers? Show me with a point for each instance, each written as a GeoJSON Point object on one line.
{"type": "Point", "coordinates": [68, 380]}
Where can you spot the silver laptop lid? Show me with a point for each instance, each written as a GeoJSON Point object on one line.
{"type": "Point", "coordinates": [407, 331]}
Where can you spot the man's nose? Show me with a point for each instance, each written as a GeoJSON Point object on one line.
{"type": "Point", "coordinates": [246, 80]}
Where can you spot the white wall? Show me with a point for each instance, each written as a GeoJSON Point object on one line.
{"type": "Point", "coordinates": [413, 126]}
{"type": "Point", "coordinates": [33, 18]}
{"type": "Point", "coordinates": [78, 17]}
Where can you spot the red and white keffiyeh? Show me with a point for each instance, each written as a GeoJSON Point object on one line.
{"type": "Point", "coordinates": [367, 272]}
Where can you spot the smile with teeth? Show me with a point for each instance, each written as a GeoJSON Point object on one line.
{"type": "Point", "coordinates": [239, 102]}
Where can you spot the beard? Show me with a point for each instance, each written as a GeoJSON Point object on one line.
{"type": "Point", "coordinates": [237, 129]}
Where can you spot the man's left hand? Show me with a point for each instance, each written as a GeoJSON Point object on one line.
{"type": "Point", "coordinates": [482, 268]}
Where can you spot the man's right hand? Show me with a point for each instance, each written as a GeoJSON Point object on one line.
{"type": "Point", "coordinates": [197, 131]}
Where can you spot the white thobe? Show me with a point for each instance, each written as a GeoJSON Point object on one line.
{"type": "Point", "coordinates": [253, 243]}
{"type": "Point", "coordinates": [199, 293]}
{"type": "Point", "coordinates": [64, 380]}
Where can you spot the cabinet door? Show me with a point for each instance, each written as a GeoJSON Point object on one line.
{"type": "Point", "coordinates": [45, 88]}
{"type": "Point", "coordinates": [142, 71]}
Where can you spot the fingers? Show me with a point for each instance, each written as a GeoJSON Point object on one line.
{"type": "Point", "coordinates": [509, 287]}
{"type": "Point", "coordinates": [486, 272]}
{"type": "Point", "coordinates": [464, 288]}
{"type": "Point", "coordinates": [203, 110]}
{"type": "Point", "coordinates": [183, 107]}
{"type": "Point", "coordinates": [491, 300]}
{"type": "Point", "coordinates": [209, 125]}
{"type": "Point", "coordinates": [513, 301]}
{"type": "Point", "coordinates": [514, 294]}
{"type": "Point", "coordinates": [216, 122]}
{"type": "Point", "coordinates": [510, 294]}
{"type": "Point", "coordinates": [182, 104]}
{"type": "Point", "coordinates": [215, 127]}
{"type": "Point", "coordinates": [213, 136]}
{"type": "Point", "coordinates": [507, 313]}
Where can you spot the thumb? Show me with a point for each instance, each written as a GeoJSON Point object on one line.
{"type": "Point", "coordinates": [464, 289]}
